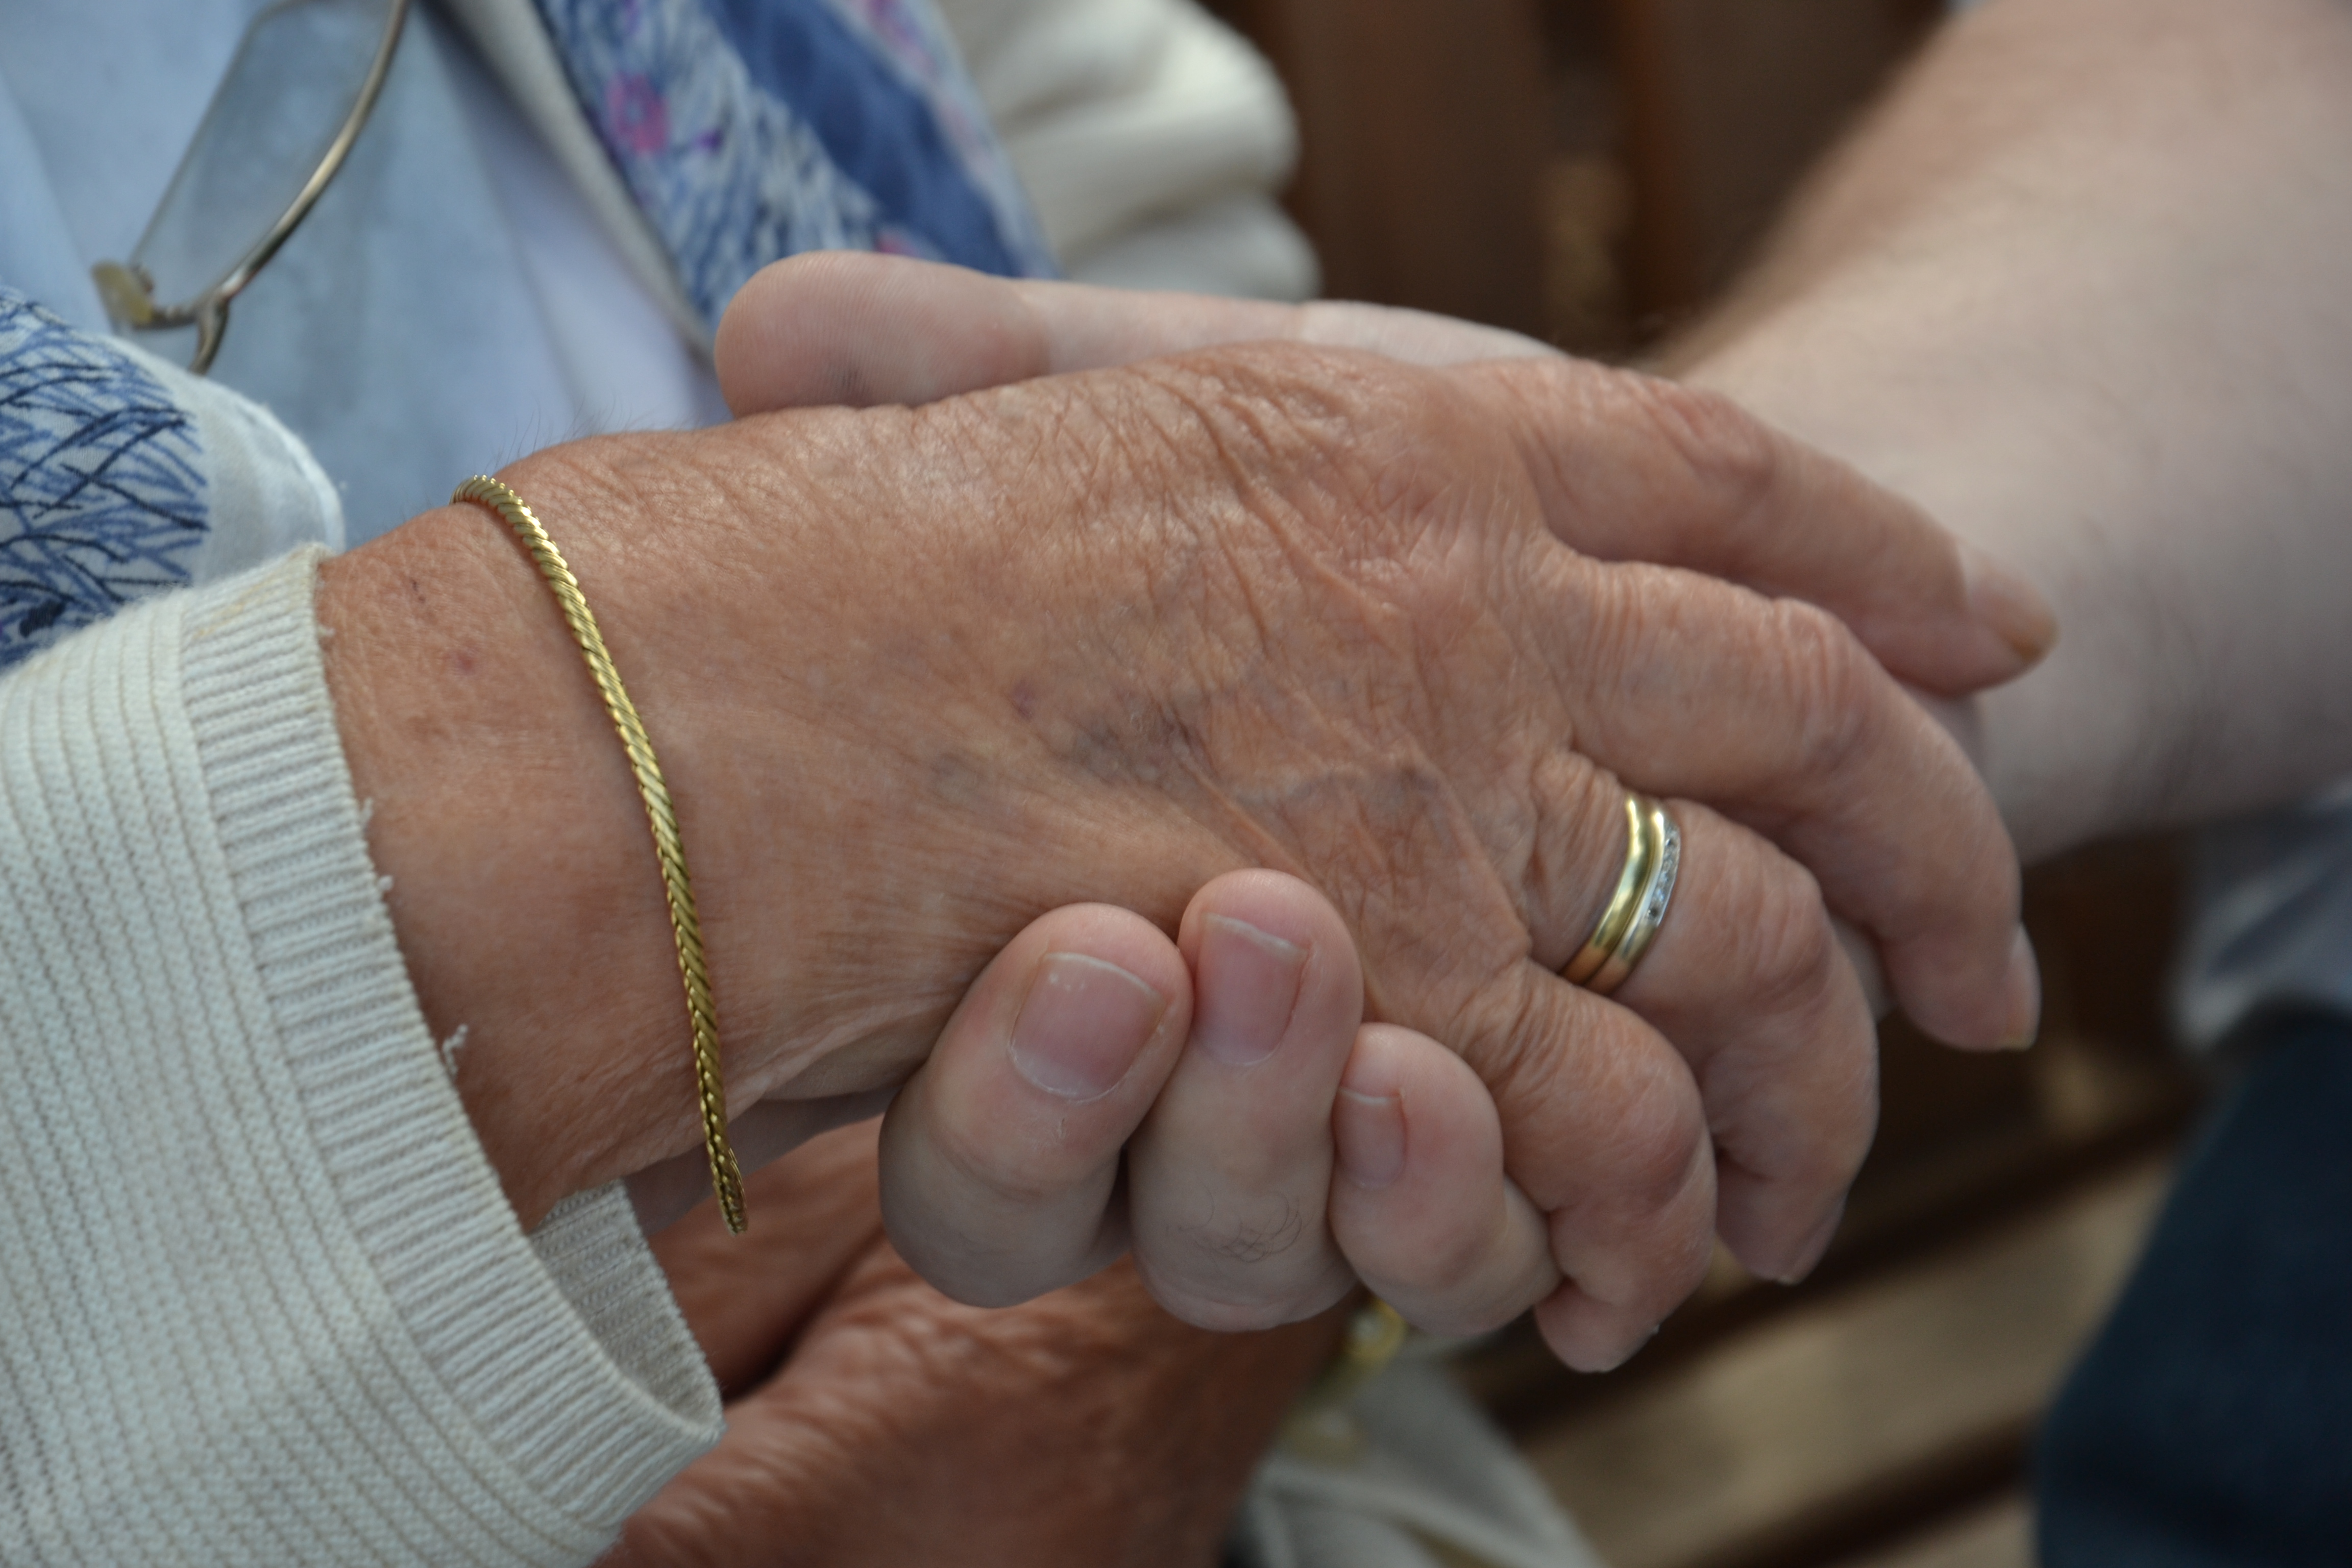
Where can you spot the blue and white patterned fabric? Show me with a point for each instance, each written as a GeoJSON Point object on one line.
{"type": "Point", "coordinates": [747, 129]}
{"type": "Point", "coordinates": [103, 482]}
{"type": "Point", "coordinates": [752, 129]}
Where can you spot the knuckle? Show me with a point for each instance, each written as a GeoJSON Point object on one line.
{"type": "Point", "coordinates": [1643, 1133]}
{"type": "Point", "coordinates": [1232, 1242]}
{"type": "Point", "coordinates": [1273, 402]}
{"type": "Point", "coordinates": [1817, 1033]}
{"type": "Point", "coordinates": [1658, 1144]}
{"type": "Point", "coordinates": [1509, 1040]}
{"type": "Point", "coordinates": [1786, 950]}
{"type": "Point", "coordinates": [1830, 682]}
{"type": "Point", "coordinates": [1733, 458]}
{"type": "Point", "coordinates": [1248, 1234]}
{"type": "Point", "coordinates": [1356, 462]}
{"type": "Point", "coordinates": [1016, 1174]}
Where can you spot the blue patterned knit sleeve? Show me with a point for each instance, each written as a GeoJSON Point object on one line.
{"type": "Point", "coordinates": [102, 483]}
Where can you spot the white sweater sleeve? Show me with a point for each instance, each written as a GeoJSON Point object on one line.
{"type": "Point", "coordinates": [1152, 139]}
{"type": "Point", "coordinates": [263, 1302]}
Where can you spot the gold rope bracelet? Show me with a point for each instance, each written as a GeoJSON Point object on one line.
{"type": "Point", "coordinates": [726, 1178]}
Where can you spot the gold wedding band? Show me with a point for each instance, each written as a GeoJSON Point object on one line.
{"type": "Point", "coordinates": [1610, 929]}
{"type": "Point", "coordinates": [1653, 856]}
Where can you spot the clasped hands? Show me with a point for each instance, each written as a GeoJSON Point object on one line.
{"type": "Point", "coordinates": [1336, 665]}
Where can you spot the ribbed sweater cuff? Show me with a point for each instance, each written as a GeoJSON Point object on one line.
{"type": "Point", "coordinates": [266, 1300]}
{"type": "Point", "coordinates": [563, 1352]}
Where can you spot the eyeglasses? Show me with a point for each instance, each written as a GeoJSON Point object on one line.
{"type": "Point", "coordinates": [297, 93]}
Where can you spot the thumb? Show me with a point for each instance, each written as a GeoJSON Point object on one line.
{"type": "Point", "coordinates": [1001, 1156]}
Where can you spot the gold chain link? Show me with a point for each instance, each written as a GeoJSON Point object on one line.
{"type": "Point", "coordinates": [726, 1178]}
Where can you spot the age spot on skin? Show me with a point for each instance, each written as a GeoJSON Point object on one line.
{"type": "Point", "coordinates": [962, 778]}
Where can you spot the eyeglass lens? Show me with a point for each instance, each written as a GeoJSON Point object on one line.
{"type": "Point", "coordinates": [291, 87]}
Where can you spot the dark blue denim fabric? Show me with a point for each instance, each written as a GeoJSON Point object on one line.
{"type": "Point", "coordinates": [2212, 1421]}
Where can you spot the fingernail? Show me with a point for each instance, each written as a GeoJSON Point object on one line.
{"type": "Point", "coordinates": [1247, 988]}
{"type": "Point", "coordinates": [2011, 606]}
{"type": "Point", "coordinates": [2021, 989]}
{"type": "Point", "coordinates": [1082, 1026]}
{"type": "Point", "coordinates": [1369, 1129]}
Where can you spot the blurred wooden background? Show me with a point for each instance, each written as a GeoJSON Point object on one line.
{"type": "Point", "coordinates": [1585, 171]}
{"type": "Point", "coordinates": [1592, 172]}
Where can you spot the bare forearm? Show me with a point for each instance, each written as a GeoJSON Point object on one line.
{"type": "Point", "coordinates": [513, 849]}
{"type": "Point", "coordinates": [2080, 290]}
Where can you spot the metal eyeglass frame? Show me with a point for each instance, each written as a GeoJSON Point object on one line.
{"type": "Point", "coordinates": [127, 289]}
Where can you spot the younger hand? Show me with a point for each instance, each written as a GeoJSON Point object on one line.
{"type": "Point", "coordinates": [1216, 1104]}
{"type": "Point", "coordinates": [1219, 1106]}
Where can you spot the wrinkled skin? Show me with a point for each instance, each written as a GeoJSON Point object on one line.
{"type": "Point", "coordinates": [1085, 1427]}
{"type": "Point", "coordinates": [1320, 612]}
{"type": "Point", "coordinates": [826, 614]}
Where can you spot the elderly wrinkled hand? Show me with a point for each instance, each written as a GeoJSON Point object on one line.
{"type": "Point", "coordinates": [813, 1315]}
{"type": "Point", "coordinates": [1082, 1429]}
{"type": "Point", "coordinates": [921, 674]}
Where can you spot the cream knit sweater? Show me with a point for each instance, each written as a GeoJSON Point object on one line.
{"type": "Point", "coordinates": [261, 1299]}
